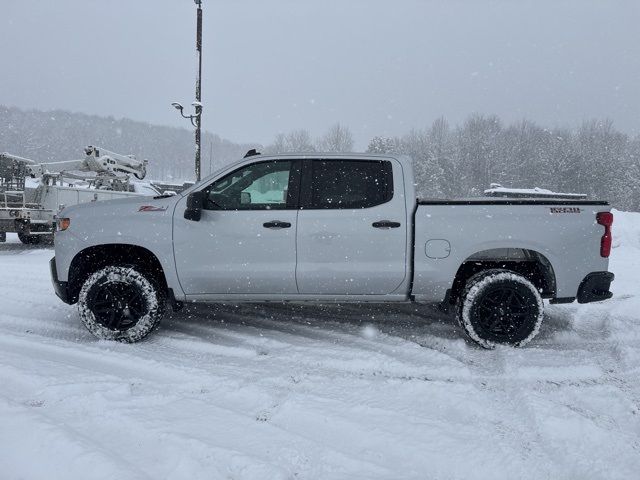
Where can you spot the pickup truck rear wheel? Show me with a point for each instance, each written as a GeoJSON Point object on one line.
{"type": "Point", "coordinates": [500, 307]}
{"type": "Point", "coordinates": [120, 303]}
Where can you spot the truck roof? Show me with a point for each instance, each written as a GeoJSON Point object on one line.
{"type": "Point", "coordinates": [332, 155]}
{"type": "Point", "coordinates": [405, 160]}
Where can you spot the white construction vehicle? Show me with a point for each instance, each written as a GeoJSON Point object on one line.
{"type": "Point", "coordinates": [28, 207]}
{"type": "Point", "coordinates": [97, 160]}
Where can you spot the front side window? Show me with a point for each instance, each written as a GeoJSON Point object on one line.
{"type": "Point", "coordinates": [350, 183]}
{"type": "Point", "coordinates": [260, 186]}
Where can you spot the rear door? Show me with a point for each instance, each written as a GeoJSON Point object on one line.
{"type": "Point", "coordinates": [352, 231]}
{"type": "Point", "coordinates": [245, 241]}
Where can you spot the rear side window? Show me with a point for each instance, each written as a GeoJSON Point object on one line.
{"type": "Point", "coordinates": [350, 184]}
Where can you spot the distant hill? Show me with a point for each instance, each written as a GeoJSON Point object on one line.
{"type": "Point", "coordinates": [61, 135]}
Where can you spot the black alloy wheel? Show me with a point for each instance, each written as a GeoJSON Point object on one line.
{"type": "Point", "coordinates": [121, 303]}
{"type": "Point", "coordinates": [117, 305]}
{"type": "Point", "coordinates": [500, 307]}
{"type": "Point", "coordinates": [502, 311]}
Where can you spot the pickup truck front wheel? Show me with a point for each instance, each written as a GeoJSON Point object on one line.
{"type": "Point", "coordinates": [500, 307]}
{"type": "Point", "coordinates": [120, 303]}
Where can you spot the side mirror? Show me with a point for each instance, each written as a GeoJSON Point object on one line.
{"type": "Point", "coordinates": [195, 202]}
{"type": "Point", "coordinates": [245, 198]}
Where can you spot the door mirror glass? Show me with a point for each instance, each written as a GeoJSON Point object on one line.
{"type": "Point", "coordinates": [245, 198]}
{"type": "Point", "coordinates": [195, 202]}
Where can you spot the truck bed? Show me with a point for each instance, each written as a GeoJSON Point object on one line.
{"type": "Point", "coordinates": [510, 201]}
{"type": "Point", "coordinates": [563, 234]}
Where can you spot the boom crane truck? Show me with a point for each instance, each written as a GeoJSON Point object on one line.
{"type": "Point", "coordinates": [28, 208]}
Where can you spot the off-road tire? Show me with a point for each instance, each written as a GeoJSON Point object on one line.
{"type": "Point", "coordinates": [500, 307]}
{"type": "Point", "coordinates": [120, 303]}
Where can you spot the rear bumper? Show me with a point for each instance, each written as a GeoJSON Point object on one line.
{"type": "Point", "coordinates": [59, 287]}
{"type": "Point", "coordinates": [595, 287]}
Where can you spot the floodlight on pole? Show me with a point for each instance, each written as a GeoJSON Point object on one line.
{"type": "Point", "coordinates": [194, 119]}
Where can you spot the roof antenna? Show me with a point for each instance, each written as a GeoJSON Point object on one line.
{"type": "Point", "coordinates": [252, 153]}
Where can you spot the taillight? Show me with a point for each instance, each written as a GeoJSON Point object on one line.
{"type": "Point", "coordinates": [606, 220]}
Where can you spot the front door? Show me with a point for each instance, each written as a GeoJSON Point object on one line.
{"type": "Point", "coordinates": [245, 241]}
{"type": "Point", "coordinates": [352, 232]}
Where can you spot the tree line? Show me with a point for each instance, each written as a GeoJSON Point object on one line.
{"type": "Point", "coordinates": [462, 161]}
{"type": "Point", "coordinates": [61, 135]}
{"type": "Point", "coordinates": [449, 161]}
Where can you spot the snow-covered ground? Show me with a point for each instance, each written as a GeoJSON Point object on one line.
{"type": "Point", "coordinates": [360, 392]}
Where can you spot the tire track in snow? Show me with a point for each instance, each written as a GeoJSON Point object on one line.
{"type": "Point", "coordinates": [334, 335]}
{"type": "Point", "coordinates": [80, 357]}
{"type": "Point", "coordinates": [73, 451]}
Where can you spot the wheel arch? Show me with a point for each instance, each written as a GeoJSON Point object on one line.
{"type": "Point", "coordinates": [531, 264]}
{"type": "Point", "coordinates": [93, 258]}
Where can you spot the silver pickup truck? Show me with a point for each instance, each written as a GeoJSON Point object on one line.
{"type": "Point", "coordinates": [330, 228]}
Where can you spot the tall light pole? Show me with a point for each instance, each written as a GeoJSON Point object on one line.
{"type": "Point", "coordinates": [196, 119]}
{"type": "Point", "coordinates": [198, 102]}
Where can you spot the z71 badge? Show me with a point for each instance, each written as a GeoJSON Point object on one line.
{"type": "Point", "coordinates": [565, 210]}
{"type": "Point", "coordinates": [151, 208]}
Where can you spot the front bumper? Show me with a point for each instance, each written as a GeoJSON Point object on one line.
{"type": "Point", "coordinates": [595, 287]}
{"type": "Point", "coordinates": [59, 287]}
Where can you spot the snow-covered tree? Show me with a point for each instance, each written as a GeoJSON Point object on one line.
{"type": "Point", "coordinates": [478, 142]}
{"type": "Point", "coordinates": [294, 141]}
{"type": "Point", "coordinates": [337, 139]}
{"type": "Point", "coordinates": [379, 144]}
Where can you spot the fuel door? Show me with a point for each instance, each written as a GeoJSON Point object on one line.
{"type": "Point", "coordinates": [437, 248]}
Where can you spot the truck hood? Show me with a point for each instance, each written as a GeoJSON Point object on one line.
{"type": "Point", "coordinates": [122, 206]}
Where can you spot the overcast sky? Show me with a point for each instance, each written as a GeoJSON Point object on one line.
{"type": "Point", "coordinates": [380, 67]}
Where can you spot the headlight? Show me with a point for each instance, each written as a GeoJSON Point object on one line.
{"type": "Point", "coordinates": [63, 224]}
